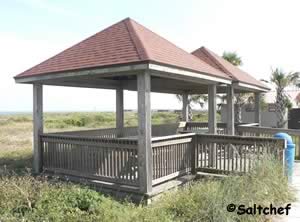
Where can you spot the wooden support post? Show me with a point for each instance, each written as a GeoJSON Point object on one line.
{"type": "Point", "coordinates": [144, 132]}
{"type": "Point", "coordinates": [185, 107]}
{"type": "Point", "coordinates": [120, 111]}
{"type": "Point", "coordinates": [212, 122]}
{"type": "Point", "coordinates": [193, 154]}
{"type": "Point", "coordinates": [257, 115]}
{"type": "Point", "coordinates": [212, 109]}
{"type": "Point", "coordinates": [37, 128]}
{"type": "Point", "coordinates": [230, 110]}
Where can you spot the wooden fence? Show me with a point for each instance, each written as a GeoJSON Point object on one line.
{"type": "Point", "coordinates": [171, 156]}
{"type": "Point", "coordinates": [233, 154]}
{"type": "Point", "coordinates": [246, 130]}
{"type": "Point", "coordinates": [97, 154]}
{"type": "Point", "coordinates": [111, 160]}
{"type": "Point", "coordinates": [157, 130]}
{"type": "Point", "coordinates": [202, 127]}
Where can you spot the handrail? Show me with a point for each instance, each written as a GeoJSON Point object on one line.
{"type": "Point", "coordinates": [205, 123]}
{"type": "Point", "coordinates": [105, 159]}
{"type": "Point", "coordinates": [108, 129]}
{"type": "Point", "coordinates": [236, 139]}
{"type": "Point", "coordinates": [93, 138]}
{"type": "Point", "coordinates": [178, 136]}
{"type": "Point", "coordinates": [248, 124]}
{"type": "Point", "coordinates": [267, 130]}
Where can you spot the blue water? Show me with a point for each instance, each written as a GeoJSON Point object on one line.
{"type": "Point", "coordinates": [29, 112]}
{"type": "Point", "coordinates": [14, 113]}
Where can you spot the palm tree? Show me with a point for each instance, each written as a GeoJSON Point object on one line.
{"type": "Point", "coordinates": [242, 98]}
{"type": "Point", "coordinates": [233, 58]}
{"type": "Point", "coordinates": [193, 99]}
{"type": "Point", "coordinates": [297, 99]}
{"type": "Point", "coordinates": [240, 101]}
{"type": "Point", "coordinates": [199, 99]}
{"type": "Point", "coordinates": [281, 80]}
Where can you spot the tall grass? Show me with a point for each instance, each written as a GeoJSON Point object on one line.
{"type": "Point", "coordinates": [37, 199]}
{"type": "Point", "coordinates": [69, 120]}
{"type": "Point", "coordinates": [207, 201]}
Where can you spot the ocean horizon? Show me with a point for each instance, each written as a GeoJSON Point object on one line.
{"type": "Point", "coordinates": [14, 112]}
{"type": "Point", "coordinates": [58, 111]}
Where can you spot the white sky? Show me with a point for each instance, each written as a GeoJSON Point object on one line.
{"type": "Point", "coordinates": [264, 33]}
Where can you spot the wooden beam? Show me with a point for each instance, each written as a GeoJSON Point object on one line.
{"type": "Point", "coordinates": [37, 127]}
{"type": "Point", "coordinates": [257, 115]}
{"type": "Point", "coordinates": [159, 84]}
{"type": "Point", "coordinates": [120, 111]}
{"type": "Point", "coordinates": [185, 107]}
{"type": "Point", "coordinates": [144, 132]}
{"type": "Point", "coordinates": [249, 88]}
{"type": "Point", "coordinates": [212, 122]}
{"type": "Point", "coordinates": [212, 109]}
{"type": "Point", "coordinates": [230, 110]}
{"type": "Point", "coordinates": [79, 85]}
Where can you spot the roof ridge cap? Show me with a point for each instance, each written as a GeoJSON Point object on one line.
{"type": "Point", "coordinates": [162, 37]}
{"type": "Point", "coordinates": [137, 42]}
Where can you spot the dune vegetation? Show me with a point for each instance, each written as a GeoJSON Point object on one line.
{"type": "Point", "coordinates": [27, 198]}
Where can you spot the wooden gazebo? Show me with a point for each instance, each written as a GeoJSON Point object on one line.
{"type": "Point", "coordinates": [128, 56]}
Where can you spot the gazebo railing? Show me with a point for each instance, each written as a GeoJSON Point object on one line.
{"type": "Point", "coordinates": [157, 130]}
{"type": "Point", "coordinates": [115, 160]}
{"type": "Point", "coordinates": [181, 154]}
{"type": "Point", "coordinates": [203, 126]}
{"type": "Point", "coordinates": [171, 156]}
{"type": "Point", "coordinates": [246, 130]}
{"type": "Point", "coordinates": [233, 154]}
{"type": "Point", "coordinates": [110, 160]}
{"type": "Point", "coordinates": [109, 133]}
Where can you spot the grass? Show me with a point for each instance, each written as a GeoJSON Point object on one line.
{"type": "Point", "coordinates": [32, 199]}
{"type": "Point", "coordinates": [207, 201]}
{"type": "Point", "coordinates": [26, 198]}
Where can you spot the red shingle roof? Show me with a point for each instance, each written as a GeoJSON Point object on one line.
{"type": "Point", "coordinates": [122, 43]}
{"type": "Point", "coordinates": [223, 65]}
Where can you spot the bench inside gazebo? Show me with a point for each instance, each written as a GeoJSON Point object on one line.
{"type": "Point", "coordinates": [147, 159]}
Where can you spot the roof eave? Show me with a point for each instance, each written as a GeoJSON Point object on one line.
{"type": "Point", "coordinates": [249, 87]}
{"type": "Point", "coordinates": [156, 66]}
{"type": "Point", "coordinates": [122, 68]}
{"type": "Point", "coordinates": [109, 70]}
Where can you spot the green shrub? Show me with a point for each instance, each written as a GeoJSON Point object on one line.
{"type": "Point", "coordinates": [207, 201]}
{"type": "Point", "coordinates": [76, 121]}
{"type": "Point", "coordinates": [90, 119]}
{"type": "Point", "coordinates": [16, 160]}
{"type": "Point", "coordinates": [104, 117]}
{"type": "Point", "coordinates": [164, 117]}
{"type": "Point", "coordinates": [19, 119]}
